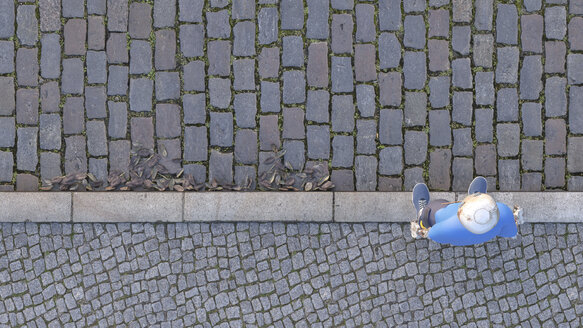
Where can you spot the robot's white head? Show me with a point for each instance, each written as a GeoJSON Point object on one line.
{"type": "Point", "coordinates": [478, 213]}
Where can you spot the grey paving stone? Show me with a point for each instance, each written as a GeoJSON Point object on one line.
{"type": "Point", "coordinates": [246, 146]}
{"type": "Point", "coordinates": [142, 132]}
{"type": "Point", "coordinates": [267, 22]}
{"type": "Point", "coordinates": [75, 155]}
{"type": "Point", "coordinates": [462, 107]}
{"type": "Point", "coordinates": [391, 161]}
{"type": "Point", "coordinates": [167, 86]}
{"type": "Point", "coordinates": [292, 14]}
{"type": "Point", "coordinates": [341, 29]}
{"type": "Point", "coordinates": [192, 40]}
{"type": "Point", "coordinates": [27, 106]}
{"type": "Point", "coordinates": [532, 5]}
{"type": "Point", "coordinates": [96, 7]}
{"type": "Point", "coordinates": [270, 97]}
{"type": "Point", "coordinates": [221, 129]}
{"type": "Point", "coordinates": [440, 169]}
{"type": "Point", "coordinates": [483, 14]}
{"type": "Point", "coordinates": [414, 36]}
{"type": "Point", "coordinates": [218, 24]}
{"type": "Point", "coordinates": [389, 51]}
{"type": "Point", "coordinates": [532, 32]}
{"type": "Point", "coordinates": [117, 51]}
{"type": "Point", "coordinates": [365, 27]}
{"type": "Point", "coordinates": [73, 75]}
{"type": "Point", "coordinates": [317, 70]}
{"type": "Point", "coordinates": [575, 7]}
{"type": "Point", "coordinates": [244, 39]}
{"type": "Point", "coordinates": [342, 4]}
{"type": "Point", "coordinates": [390, 86]}
{"type": "Point", "coordinates": [438, 55]}
{"type": "Point", "coordinates": [575, 109]}
{"type": "Point", "coordinates": [342, 113]}
{"type": "Point", "coordinates": [198, 171]}
{"type": "Point", "coordinates": [96, 66]}
{"type": "Point", "coordinates": [50, 16]}
{"type": "Point", "coordinates": [245, 106]}
{"type": "Point", "coordinates": [390, 127]}
{"type": "Point", "coordinates": [194, 107]}
{"type": "Point", "coordinates": [140, 57]}
{"type": "Point", "coordinates": [221, 167]}
{"type": "Point", "coordinates": [575, 38]}
{"type": "Point", "coordinates": [365, 99]}
{"type": "Point", "coordinates": [555, 172]}
{"type": "Point", "coordinates": [293, 51]}
{"type": "Point", "coordinates": [439, 91]}
{"type": "Point", "coordinates": [415, 108]}
{"type": "Point", "coordinates": [461, 11]}
{"type": "Point", "coordinates": [531, 78]}
{"type": "Point", "coordinates": [531, 181]}
{"type": "Point", "coordinates": [244, 73]}
{"type": "Point", "coordinates": [507, 105]}
{"type": "Point", "coordinates": [244, 174]}
{"type": "Point", "coordinates": [366, 137]}
{"type": "Point", "coordinates": [508, 136]}
{"type": "Point", "coordinates": [27, 30]}
{"type": "Point", "coordinates": [555, 137]}
{"type": "Point", "coordinates": [75, 32]}
{"type": "Point", "coordinates": [294, 87]}
{"type": "Point", "coordinates": [141, 91]}
{"type": "Point", "coordinates": [117, 15]}
{"type": "Point", "coordinates": [317, 22]}
{"type": "Point", "coordinates": [168, 121]}
{"type": "Point", "coordinates": [6, 166]}
{"type": "Point", "coordinates": [268, 132]}
{"type": "Point", "coordinates": [165, 50]}
{"type": "Point", "coordinates": [438, 23]}
{"type": "Point", "coordinates": [484, 120]}
{"type": "Point", "coordinates": [295, 153]}
{"type": "Point", "coordinates": [50, 59]}
{"type": "Point", "coordinates": [509, 175]}
{"type": "Point", "coordinates": [462, 142]}
{"type": "Point", "coordinates": [439, 130]}
{"type": "Point", "coordinates": [389, 15]}
{"type": "Point", "coordinates": [483, 50]}
{"type": "Point", "coordinates": [96, 138]}
{"type": "Point", "coordinates": [343, 180]}
{"type": "Point", "coordinates": [485, 159]}
{"type": "Point", "coordinates": [7, 57]}
{"type": "Point", "coordinates": [97, 167]}
{"type": "Point", "coordinates": [26, 182]}
{"type": "Point", "coordinates": [555, 22]}
{"type": "Point", "coordinates": [191, 11]}
{"type": "Point", "coordinates": [193, 76]}
{"type": "Point", "coordinates": [415, 147]}
{"type": "Point", "coordinates": [219, 54]}
{"type": "Point", "coordinates": [140, 20]}
{"type": "Point", "coordinates": [219, 92]}
{"type": "Point", "coordinates": [50, 97]}
{"type": "Point", "coordinates": [555, 96]}
{"type": "Point", "coordinates": [555, 52]}
{"type": "Point", "coordinates": [50, 131]}
{"type": "Point", "coordinates": [195, 143]}
{"type": "Point", "coordinates": [341, 74]}
{"type": "Point", "coordinates": [317, 106]}
{"type": "Point", "coordinates": [532, 155]}
{"type": "Point", "coordinates": [164, 13]}
{"type": "Point", "coordinates": [293, 123]}
{"type": "Point", "coordinates": [342, 151]}
{"type": "Point", "coordinates": [531, 119]}
{"type": "Point", "coordinates": [95, 102]}
{"type": "Point", "coordinates": [7, 131]}
{"type": "Point", "coordinates": [575, 151]}
{"type": "Point", "coordinates": [269, 63]}
{"type": "Point", "coordinates": [27, 67]}
{"type": "Point", "coordinates": [460, 39]}
{"type": "Point", "coordinates": [506, 24]}
{"type": "Point", "coordinates": [462, 169]}
{"type": "Point", "coordinates": [574, 68]}
{"type": "Point", "coordinates": [117, 80]}
{"type": "Point", "coordinates": [484, 82]}
{"type": "Point", "coordinates": [414, 70]}
{"type": "Point", "coordinates": [318, 137]}
{"type": "Point", "coordinates": [365, 173]}
{"type": "Point", "coordinates": [119, 155]}
{"type": "Point", "coordinates": [118, 119]}
{"type": "Point", "coordinates": [26, 149]}
{"type": "Point", "coordinates": [73, 116]}
{"type": "Point", "coordinates": [7, 96]}
{"type": "Point", "coordinates": [462, 73]}
{"type": "Point", "coordinates": [390, 184]}
{"type": "Point", "coordinates": [50, 165]}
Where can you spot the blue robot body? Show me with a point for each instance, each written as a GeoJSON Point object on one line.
{"type": "Point", "coordinates": [449, 230]}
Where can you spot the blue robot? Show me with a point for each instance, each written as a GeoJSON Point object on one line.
{"type": "Point", "coordinates": [477, 219]}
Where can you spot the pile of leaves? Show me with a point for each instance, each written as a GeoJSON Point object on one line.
{"type": "Point", "coordinates": [147, 172]}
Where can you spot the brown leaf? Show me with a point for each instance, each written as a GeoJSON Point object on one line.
{"type": "Point", "coordinates": [178, 188]}
{"type": "Point", "coordinates": [46, 188]}
{"type": "Point", "coordinates": [308, 186]}
{"type": "Point", "coordinates": [327, 185]}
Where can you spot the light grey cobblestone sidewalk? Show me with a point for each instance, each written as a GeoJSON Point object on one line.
{"type": "Point", "coordinates": [285, 275]}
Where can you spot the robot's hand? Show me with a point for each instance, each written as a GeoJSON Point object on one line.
{"type": "Point", "coordinates": [518, 215]}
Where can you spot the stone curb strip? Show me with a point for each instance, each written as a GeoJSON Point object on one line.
{"type": "Point", "coordinates": [259, 206]}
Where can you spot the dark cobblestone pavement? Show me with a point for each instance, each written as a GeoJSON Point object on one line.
{"type": "Point", "coordinates": [285, 275]}
{"type": "Point", "coordinates": [386, 93]}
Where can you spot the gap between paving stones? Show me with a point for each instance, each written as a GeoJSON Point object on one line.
{"type": "Point", "coordinates": [544, 207]}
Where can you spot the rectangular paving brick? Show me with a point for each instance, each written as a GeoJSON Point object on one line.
{"type": "Point", "coordinates": [27, 153]}
{"type": "Point", "coordinates": [73, 116]}
{"type": "Point", "coordinates": [27, 106]}
{"type": "Point", "coordinates": [195, 143]}
{"type": "Point", "coordinates": [140, 20]}
{"type": "Point", "coordinates": [317, 66]}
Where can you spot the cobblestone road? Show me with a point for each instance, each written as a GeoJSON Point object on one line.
{"type": "Point", "coordinates": [387, 93]}
{"type": "Point", "coordinates": [285, 275]}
